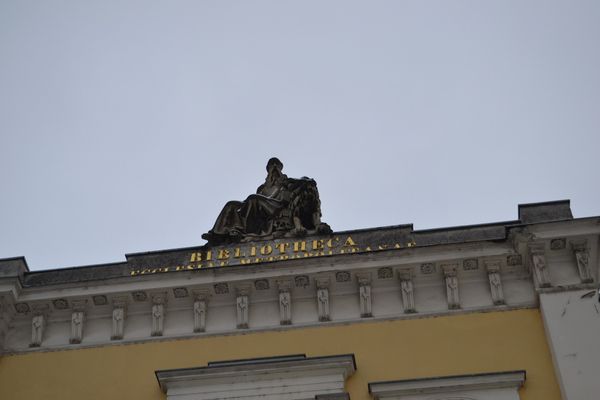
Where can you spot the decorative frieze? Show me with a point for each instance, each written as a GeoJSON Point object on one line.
{"type": "Point", "coordinates": [323, 299]}
{"type": "Point", "coordinates": [385, 273]}
{"type": "Point", "coordinates": [427, 268]}
{"type": "Point", "coordinates": [342, 276]}
{"type": "Point", "coordinates": [539, 266]}
{"type": "Point", "coordinates": [364, 294]}
{"type": "Point", "coordinates": [582, 259]}
{"type": "Point", "coordinates": [407, 290]}
{"type": "Point", "coordinates": [558, 244]}
{"type": "Point", "coordinates": [158, 313]}
{"type": "Point", "coordinates": [139, 296]}
{"type": "Point", "coordinates": [22, 308]}
{"type": "Point", "coordinates": [60, 304]}
{"type": "Point", "coordinates": [100, 300]}
{"type": "Point", "coordinates": [451, 280]}
{"type": "Point", "coordinates": [180, 292]}
{"type": "Point", "coordinates": [262, 284]}
{"type": "Point", "coordinates": [302, 281]}
{"type": "Point", "coordinates": [493, 271]}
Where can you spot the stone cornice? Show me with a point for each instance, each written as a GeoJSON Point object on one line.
{"type": "Point", "coordinates": [446, 384]}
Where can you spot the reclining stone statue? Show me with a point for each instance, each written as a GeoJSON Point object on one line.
{"type": "Point", "coordinates": [281, 207]}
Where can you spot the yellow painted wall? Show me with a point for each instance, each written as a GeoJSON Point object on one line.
{"type": "Point", "coordinates": [404, 349]}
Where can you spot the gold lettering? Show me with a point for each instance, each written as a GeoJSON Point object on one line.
{"type": "Point", "coordinates": [134, 272]}
{"type": "Point", "coordinates": [223, 254]}
{"type": "Point", "coordinates": [284, 257]}
{"type": "Point", "coordinates": [146, 271]}
{"type": "Point", "coordinates": [317, 244]}
{"type": "Point", "coordinates": [411, 243]}
{"type": "Point", "coordinates": [252, 251]}
{"type": "Point", "coordinates": [299, 246]}
{"type": "Point", "coordinates": [397, 246]}
{"type": "Point", "coordinates": [368, 248]}
{"type": "Point", "coordinates": [266, 250]}
{"type": "Point", "coordinates": [245, 261]}
{"type": "Point", "coordinates": [208, 255]}
{"type": "Point", "coordinates": [349, 242]}
{"type": "Point", "coordinates": [282, 247]}
{"type": "Point", "coordinates": [382, 246]}
{"type": "Point", "coordinates": [196, 257]}
{"type": "Point", "coordinates": [329, 243]}
{"type": "Point", "coordinates": [224, 263]}
{"type": "Point", "coordinates": [238, 253]}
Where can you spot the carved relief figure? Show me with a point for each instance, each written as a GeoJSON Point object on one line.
{"type": "Point", "coordinates": [408, 296]}
{"type": "Point", "coordinates": [37, 330]}
{"type": "Point", "coordinates": [158, 317]}
{"type": "Point", "coordinates": [323, 304]}
{"type": "Point", "coordinates": [540, 270]}
{"type": "Point", "coordinates": [76, 327]}
{"type": "Point", "coordinates": [285, 308]}
{"type": "Point", "coordinates": [242, 312]}
{"type": "Point", "coordinates": [583, 265]}
{"type": "Point", "coordinates": [364, 292]}
{"type": "Point", "coordinates": [199, 316]}
{"type": "Point", "coordinates": [496, 286]}
{"type": "Point", "coordinates": [451, 287]}
{"type": "Point", "coordinates": [118, 323]}
{"type": "Point", "coordinates": [282, 206]}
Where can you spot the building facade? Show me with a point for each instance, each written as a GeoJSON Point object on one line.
{"type": "Point", "coordinates": [506, 310]}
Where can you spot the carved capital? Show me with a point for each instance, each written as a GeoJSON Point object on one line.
{"type": "Point", "coordinates": [363, 278]}
{"type": "Point", "coordinates": [405, 274]}
{"type": "Point", "coordinates": [322, 281]}
{"type": "Point", "coordinates": [120, 301]}
{"type": "Point", "coordinates": [79, 304]}
{"type": "Point", "coordinates": [579, 245]}
{"type": "Point", "coordinates": [40, 309]}
{"type": "Point", "coordinates": [201, 294]}
{"type": "Point", "coordinates": [537, 247]}
{"type": "Point", "coordinates": [159, 297]}
{"type": "Point", "coordinates": [493, 264]}
{"type": "Point", "coordinates": [243, 289]}
{"type": "Point", "coordinates": [284, 285]}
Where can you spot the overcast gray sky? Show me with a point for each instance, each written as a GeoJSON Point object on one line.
{"type": "Point", "coordinates": [125, 126]}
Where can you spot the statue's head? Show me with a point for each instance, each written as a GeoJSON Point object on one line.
{"type": "Point", "coordinates": [274, 163]}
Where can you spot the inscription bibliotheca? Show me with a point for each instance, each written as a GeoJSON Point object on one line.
{"type": "Point", "coordinates": [271, 251]}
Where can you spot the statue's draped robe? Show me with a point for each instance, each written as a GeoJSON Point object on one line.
{"type": "Point", "coordinates": [256, 215]}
